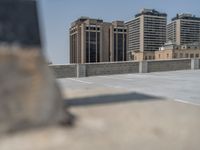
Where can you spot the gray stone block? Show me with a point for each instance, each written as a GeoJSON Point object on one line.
{"type": "Point", "coordinates": [112, 68]}
{"type": "Point", "coordinates": [194, 64]}
{"type": "Point", "coordinates": [143, 67]}
{"type": "Point", "coordinates": [64, 71]}
{"type": "Point", "coordinates": [169, 65]}
{"type": "Point", "coordinates": [81, 70]}
{"type": "Point", "coordinates": [29, 95]}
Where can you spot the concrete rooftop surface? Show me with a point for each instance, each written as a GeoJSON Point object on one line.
{"type": "Point", "coordinates": [181, 86]}
{"type": "Point", "coordinates": [154, 111]}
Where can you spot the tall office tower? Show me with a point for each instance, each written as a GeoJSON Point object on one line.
{"type": "Point", "coordinates": [90, 41]}
{"type": "Point", "coordinates": [118, 41]}
{"type": "Point", "coordinates": [184, 29]}
{"type": "Point", "coordinates": [86, 38]}
{"type": "Point", "coordinates": [147, 32]}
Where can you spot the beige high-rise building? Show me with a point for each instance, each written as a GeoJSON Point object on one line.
{"type": "Point", "coordinates": [92, 40]}
{"type": "Point", "coordinates": [118, 41]}
{"type": "Point", "coordinates": [184, 29]}
{"type": "Point", "coordinates": [86, 36]}
{"type": "Point", "coordinates": [147, 32]}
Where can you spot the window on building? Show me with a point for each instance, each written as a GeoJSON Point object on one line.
{"type": "Point", "coordinates": [125, 47]}
{"type": "Point", "coordinates": [93, 47]}
{"type": "Point", "coordinates": [135, 57]}
{"type": "Point", "coordinates": [87, 47]}
{"type": "Point", "coordinates": [115, 46]}
{"type": "Point", "coordinates": [98, 47]}
{"type": "Point", "coordinates": [197, 56]}
{"type": "Point", "coordinates": [153, 57]}
{"type": "Point", "coordinates": [186, 55]}
{"type": "Point", "coordinates": [120, 47]}
{"type": "Point", "coordinates": [146, 58]}
{"type": "Point", "coordinates": [175, 55]}
{"type": "Point", "coordinates": [167, 55]}
{"type": "Point", "coordinates": [159, 56]}
{"type": "Point", "coordinates": [191, 55]}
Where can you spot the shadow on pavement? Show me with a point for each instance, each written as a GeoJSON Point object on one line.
{"type": "Point", "coordinates": [110, 98]}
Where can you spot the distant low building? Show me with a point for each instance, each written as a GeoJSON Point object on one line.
{"type": "Point", "coordinates": [173, 51]}
{"type": "Point", "coordinates": [169, 51]}
{"type": "Point", "coordinates": [140, 56]}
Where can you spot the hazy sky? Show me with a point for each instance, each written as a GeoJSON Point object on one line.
{"type": "Point", "coordinates": [57, 16]}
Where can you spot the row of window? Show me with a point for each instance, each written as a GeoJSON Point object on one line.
{"type": "Point", "coordinates": [186, 55]}
{"type": "Point", "coordinates": [149, 57]}
{"type": "Point", "coordinates": [145, 57]}
{"type": "Point", "coordinates": [188, 47]}
{"type": "Point", "coordinates": [120, 30]}
{"type": "Point", "coordinates": [73, 30]}
{"type": "Point", "coordinates": [174, 56]}
{"type": "Point", "coordinates": [93, 28]}
{"type": "Point", "coordinates": [181, 55]}
{"type": "Point", "coordinates": [98, 29]}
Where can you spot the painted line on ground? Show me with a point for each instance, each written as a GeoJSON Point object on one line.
{"type": "Point", "coordinates": [113, 86]}
{"type": "Point", "coordinates": [118, 78]}
{"type": "Point", "coordinates": [81, 81]}
{"type": "Point", "coordinates": [186, 102]}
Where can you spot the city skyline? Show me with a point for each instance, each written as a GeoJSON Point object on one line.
{"type": "Point", "coordinates": [58, 15]}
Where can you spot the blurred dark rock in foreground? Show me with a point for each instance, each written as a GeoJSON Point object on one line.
{"type": "Point", "coordinates": [29, 95]}
{"type": "Point", "coordinates": [19, 23]}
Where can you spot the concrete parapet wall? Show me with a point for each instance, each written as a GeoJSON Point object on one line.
{"type": "Point", "coordinates": [169, 65]}
{"type": "Point", "coordinates": [97, 69]}
{"type": "Point", "coordinates": [64, 71]}
{"type": "Point", "coordinates": [112, 68]}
